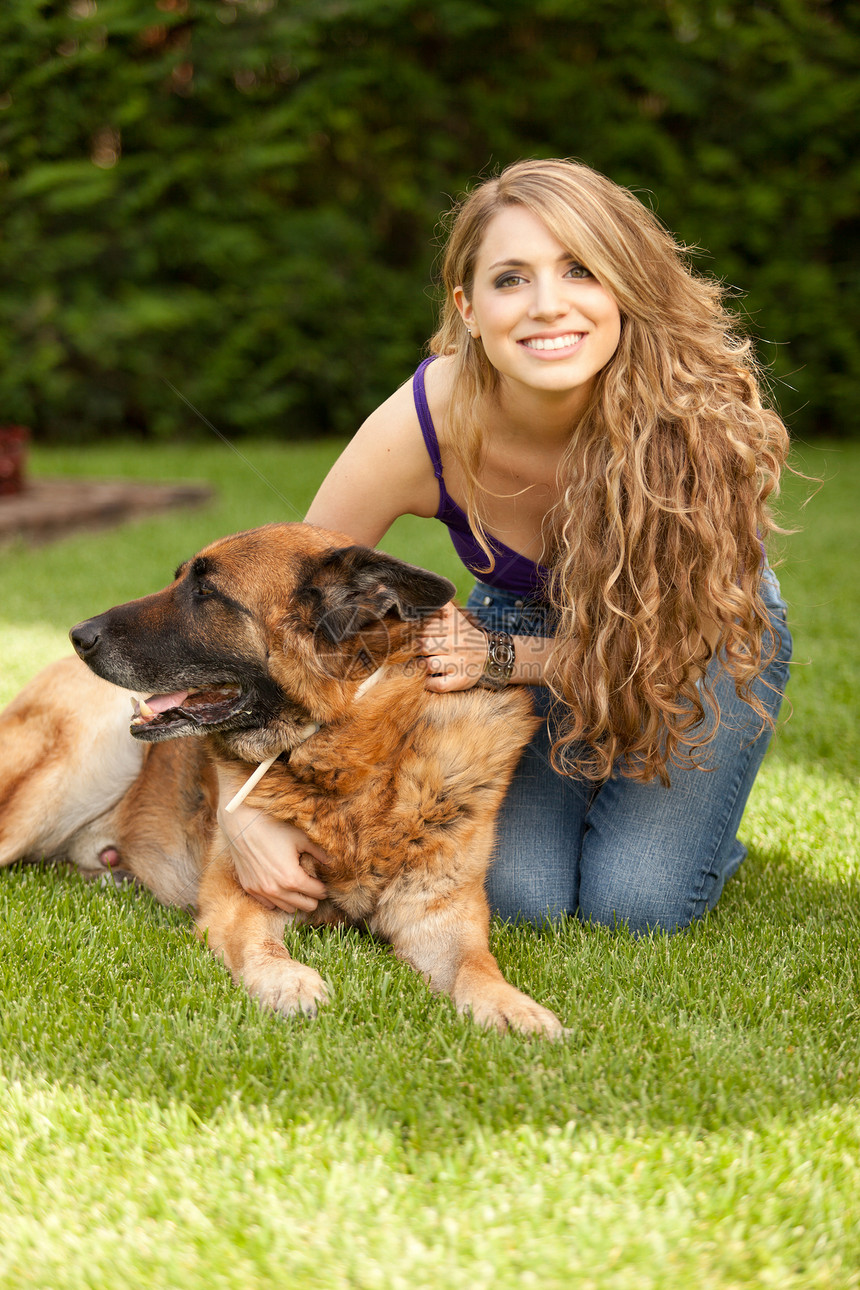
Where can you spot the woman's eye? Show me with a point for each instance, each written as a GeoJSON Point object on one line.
{"type": "Point", "coordinates": [509, 280]}
{"type": "Point", "coordinates": [577, 270]}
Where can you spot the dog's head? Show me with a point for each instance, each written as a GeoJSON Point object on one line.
{"type": "Point", "coordinates": [259, 634]}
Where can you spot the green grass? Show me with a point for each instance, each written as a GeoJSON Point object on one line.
{"type": "Point", "coordinates": [701, 1125]}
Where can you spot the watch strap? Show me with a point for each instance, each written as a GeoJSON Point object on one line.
{"type": "Point", "coordinates": [499, 665]}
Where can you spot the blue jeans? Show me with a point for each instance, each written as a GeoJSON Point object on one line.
{"type": "Point", "coordinates": [624, 852]}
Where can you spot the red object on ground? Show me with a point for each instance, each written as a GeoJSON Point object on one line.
{"type": "Point", "coordinates": [13, 454]}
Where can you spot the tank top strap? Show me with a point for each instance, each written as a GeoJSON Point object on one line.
{"type": "Point", "coordinates": [512, 571]}
{"type": "Point", "coordinates": [425, 420]}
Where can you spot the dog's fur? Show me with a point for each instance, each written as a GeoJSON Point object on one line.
{"type": "Point", "coordinates": [400, 787]}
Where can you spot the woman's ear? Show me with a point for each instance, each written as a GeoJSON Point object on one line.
{"type": "Point", "coordinates": [466, 311]}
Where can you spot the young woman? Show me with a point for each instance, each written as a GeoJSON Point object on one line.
{"type": "Point", "coordinates": [589, 426]}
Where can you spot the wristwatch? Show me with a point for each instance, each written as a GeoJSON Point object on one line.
{"type": "Point", "coordinates": [501, 657]}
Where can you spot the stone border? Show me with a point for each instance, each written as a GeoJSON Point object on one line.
{"type": "Point", "coordinates": [49, 509]}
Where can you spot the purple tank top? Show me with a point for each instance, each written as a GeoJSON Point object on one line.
{"type": "Point", "coordinates": [512, 571]}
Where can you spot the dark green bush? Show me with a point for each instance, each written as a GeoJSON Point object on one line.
{"type": "Point", "coordinates": [241, 198]}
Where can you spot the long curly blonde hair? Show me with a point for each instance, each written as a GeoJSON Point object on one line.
{"type": "Point", "coordinates": [657, 536]}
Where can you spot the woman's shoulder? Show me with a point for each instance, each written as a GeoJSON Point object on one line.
{"type": "Point", "coordinates": [396, 422]}
{"type": "Point", "coordinates": [386, 469]}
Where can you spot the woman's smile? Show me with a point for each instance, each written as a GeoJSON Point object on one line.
{"type": "Point", "coordinates": [554, 346]}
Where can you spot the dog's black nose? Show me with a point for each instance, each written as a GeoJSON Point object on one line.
{"type": "Point", "coordinates": [85, 638]}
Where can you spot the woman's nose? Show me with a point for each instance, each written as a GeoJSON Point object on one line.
{"type": "Point", "coordinates": [549, 301]}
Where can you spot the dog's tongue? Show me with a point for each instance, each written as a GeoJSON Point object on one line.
{"type": "Point", "coordinates": [161, 702]}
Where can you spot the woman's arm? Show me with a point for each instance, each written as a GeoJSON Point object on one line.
{"type": "Point", "coordinates": [384, 472]}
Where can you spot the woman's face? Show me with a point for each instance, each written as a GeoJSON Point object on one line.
{"type": "Point", "coordinates": [544, 321]}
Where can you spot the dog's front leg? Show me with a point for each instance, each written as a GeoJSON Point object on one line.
{"type": "Point", "coordinates": [250, 941]}
{"type": "Point", "coordinates": [446, 939]}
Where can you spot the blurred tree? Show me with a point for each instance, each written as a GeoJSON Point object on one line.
{"type": "Point", "coordinates": [242, 198]}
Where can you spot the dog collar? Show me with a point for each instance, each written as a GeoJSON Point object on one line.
{"type": "Point", "coordinates": [305, 733]}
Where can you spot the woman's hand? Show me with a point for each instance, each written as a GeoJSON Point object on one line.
{"type": "Point", "coordinates": [266, 854]}
{"type": "Point", "coordinates": [454, 651]}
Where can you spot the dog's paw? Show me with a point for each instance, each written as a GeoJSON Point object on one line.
{"type": "Point", "coordinates": [504, 1008]}
{"type": "Point", "coordinates": [285, 986]}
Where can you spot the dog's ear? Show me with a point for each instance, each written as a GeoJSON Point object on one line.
{"type": "Point", "coordinates": [347, 589]}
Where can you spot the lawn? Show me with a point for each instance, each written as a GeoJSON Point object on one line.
{"type": "Point", "coordinates": [700, 1125]}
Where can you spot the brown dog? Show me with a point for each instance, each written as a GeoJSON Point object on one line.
{"type": "Point", "coordinates": [278, 641]}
